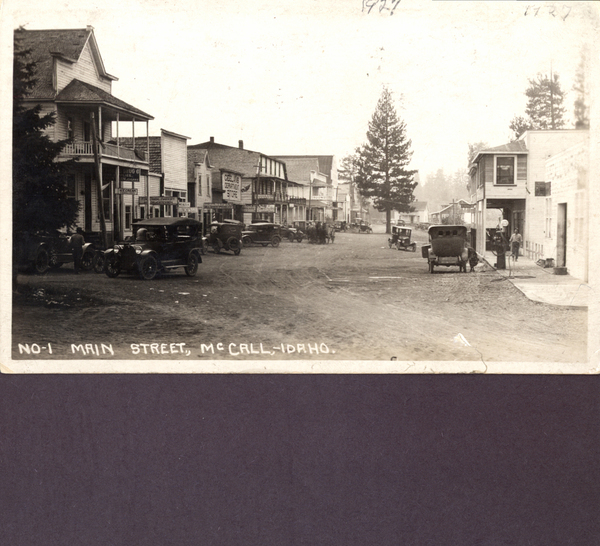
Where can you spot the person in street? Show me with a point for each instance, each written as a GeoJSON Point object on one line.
{"type": "Point", "coordinates": [77, 241]}
{"type": "Point", "coordinates": [515, 243]}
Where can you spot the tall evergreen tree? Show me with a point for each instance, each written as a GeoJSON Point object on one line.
{"type": "Point", "coordinates": [382, 174]}
{"type": "Point", "coordinates": [581, 87]}
{"type": "Point", "coordinates": [544, 106]}
{"type": "Point", "coordinates": [40, 195]}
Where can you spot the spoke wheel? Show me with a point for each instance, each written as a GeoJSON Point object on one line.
{"type": "Point", "coordinates": [148, 267]}
{"type": "Point", "coordinates": [87, 261]}
{"type": "Point", "coordinates": [112, 268]}
{"type": "Point", "coordinates": [41, 263]}
{"type": "Point", "coordinates": [99, 263]}
{"type": "Point", "coordinates": [192, 266]}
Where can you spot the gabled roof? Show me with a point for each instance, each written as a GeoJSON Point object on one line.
{"type": "Point", "coordinates": [66, 44]}
{"type": "Point", "coordinates": [193, 157]}
{"type": "Point", "coordinates": [298, 168]}
{"type": "Point", "coordinates": [419, 205]}
{"type": "Point", "coordinates": [514, 147]}
{"type": "Point", "coordinates": [230, 157]}
{"type": "Point", "coordinates": [81, 92]}
{"type": "Point", "coordinates": [324, 162]}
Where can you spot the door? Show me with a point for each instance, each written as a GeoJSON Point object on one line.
{"type": "Point", "coordinates": [88, 201]}
{"type": "Point", "coordinates": [561, 235]}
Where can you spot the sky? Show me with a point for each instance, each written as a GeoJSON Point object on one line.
{"type": "Point", "coordinates": [304, 76]}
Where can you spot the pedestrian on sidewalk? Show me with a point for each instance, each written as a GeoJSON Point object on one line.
{"type": "Point", "coordinates": [515, 243]}
{"type": "Point", "coordinates": [77, 241]}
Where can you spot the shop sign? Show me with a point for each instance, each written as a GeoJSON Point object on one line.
{"type": "Point", "coordinates": [160, 200]}
{"type": "Point", "coordinates": [217, 206]}
{"type": "Point", "coordinates": [129, 174]}
{"type": "Point", "coordinates": [232, 186]}
{"type": "Point", "coordinates": [126, 191]}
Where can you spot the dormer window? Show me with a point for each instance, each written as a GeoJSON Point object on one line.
{"type": "Point", "coordinates": [505, 170]}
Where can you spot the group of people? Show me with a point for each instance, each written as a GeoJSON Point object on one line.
{"type": "Point", "coordinates": [319, 233]}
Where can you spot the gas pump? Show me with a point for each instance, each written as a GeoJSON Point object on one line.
{"type": "Point", "coordinates": [499, 246]}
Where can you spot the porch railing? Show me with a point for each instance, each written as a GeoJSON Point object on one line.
{"type": "Point", "coordinates": [84, 148]}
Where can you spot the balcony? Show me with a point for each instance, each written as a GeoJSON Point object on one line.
{"type": "Point", "coordinates": [82, 148]}
{"type": "Point", "coordinates": [269, 198]}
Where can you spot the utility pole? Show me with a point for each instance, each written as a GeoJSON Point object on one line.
{"type": "Point", "coordinates": [98, 173]}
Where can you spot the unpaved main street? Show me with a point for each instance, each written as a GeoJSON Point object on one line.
{"type": "Point", "coordinates": [355, 299]}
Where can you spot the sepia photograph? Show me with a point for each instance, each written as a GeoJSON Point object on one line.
{"type": "Point", "coordinates": [355, 186]}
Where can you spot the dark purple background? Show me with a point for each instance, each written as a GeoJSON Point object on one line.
{"type": "Point", "coordinates": [290, 459]}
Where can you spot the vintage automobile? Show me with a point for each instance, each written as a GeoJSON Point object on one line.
{"type": "Point", "coordinates": [292, 233]}
{"type": "Point", "coordinates": [43, 251]}
{"type": "Point", "coordinates": [360, 226]}
{"type": "Point", "coordinates": [159, 245]}
{"type": "Point", "coordinates": [447, 246]}
{"type": "Point", "coordinates": [401, 239]}
{"type": "Point", "coordinates": [262, 233]}
{"type": "Point", "coordinates": [226, 235]}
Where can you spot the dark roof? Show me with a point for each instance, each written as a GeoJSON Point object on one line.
{"type": "Point", "coordinates": [167, 222]}
{"type": "Point", "coordinates": [230, 157]}
{"type": "Point", "coordinates": [80, 92]}
{"type": "Point", "coordinates": [67, 44]}
{"type": "Point", "coordinates": [325, 162]}
{"type": "Point", "coordinates": [516, 146]}
{"type": "Point", "coordinates": [195, 156]}
{"type": "Point", "coordinates": [155, 159]}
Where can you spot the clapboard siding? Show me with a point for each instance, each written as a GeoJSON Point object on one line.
{"type": "Point", "coordinates": [84, 69]}
{"type": "Point", "coordinates": [174, 162]}
{"type": "Point", "coordinates": [522, 167]}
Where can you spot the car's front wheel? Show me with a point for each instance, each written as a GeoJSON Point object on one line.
{"type": "Point", "coordinates": [87, 261]}
{"type": "Point", "coordinates": [192, 266]}
{"type": "Point", "coordinates": [112, 267]}
{"type": "Point", "coordinates": [99, 262]}
{"type": "Point", "coordinates": [275, 241]}
{"type": "Point", "coordinates": [41, 263]}
{"type": "Point", "coordinates": [148, 267]}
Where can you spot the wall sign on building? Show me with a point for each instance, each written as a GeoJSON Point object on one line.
{"type": "Point", "coordinates": [232, 186]}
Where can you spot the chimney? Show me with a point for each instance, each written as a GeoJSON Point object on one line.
{"type": "Point", "coordinates": [89, 28]}
{"type": "Point", "coordinates": [241, 144]}
{"type": "Point", "coordinates": [212, 139]}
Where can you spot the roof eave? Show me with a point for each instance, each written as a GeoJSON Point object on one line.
{"type": "Point", "coordinates": [141, 116]}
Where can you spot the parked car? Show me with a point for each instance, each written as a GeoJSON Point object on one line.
{"type": "Point", "coordinates": [362, 227]}
{"type": "Point", "coordinates": [447, 246]}
{"type": "Point", "coordinates": [401, 239]}
{"type": "Point", "coordinates": [43, 251]}
{"type": "Point", "coordinates": [292, 233]}
{"type": "Point", "coordinates": [340, 226]}
{"type": "Point", "coordinates": [262, 233]}
{"type": "Point", "coordinates": [159, 245]}
{"type": "Point", "coordinates": [226, 235]}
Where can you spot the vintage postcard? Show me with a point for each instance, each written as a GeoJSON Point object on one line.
{"type": "Point", "coordinates": [354, 186]}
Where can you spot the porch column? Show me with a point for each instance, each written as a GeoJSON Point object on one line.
{"type": "Point", "coordinates": [118, 144]}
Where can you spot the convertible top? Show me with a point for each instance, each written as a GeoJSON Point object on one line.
{"type": "Point", "coordinates": [167, 222]}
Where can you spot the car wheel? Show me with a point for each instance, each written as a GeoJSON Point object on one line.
{"type": "Point", "coordinates": [234, 244]}
{"type": "Point", "coordinates": [87, 261]}
{"type": "Point", "coordinates": [275, 241]}
{"type": "Point", "coordinates": [413, 248]}
{"type": "Point", "coordinates": [291, 237]}
{"type": "Point", "coordinates": [99, 263]}
{"type": "Point", "coordinates": [204, 247]}
{"type": "Point", "coordinates": [41, 264]}
{"type": "Point", "coordinates": [148, 267]}
{"type": "Point", "coordinates": [192, 266]}
{"type": "Point", "coordinates": [237, 251]}
{"type": "Point", "coordinates": [246, 240]}
{"type": "Point", "coordinates": [54, 263]}
{"type": "Point", "coordinates": [216, 248]}
{"type": "Point", "coordinates": [299, 238]}
{"type": "Point", "coordinates": [112, 268]}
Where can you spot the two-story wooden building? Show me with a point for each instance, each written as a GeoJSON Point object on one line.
{"type": "Point", "coordinates": [73, 83]}
{"type": "Point", "coordinates": [512, 178]}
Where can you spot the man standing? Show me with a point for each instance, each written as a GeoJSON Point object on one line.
{"type": "Point", "coordinates": [515, 243]}
{"type": "Point", "coordinates": [77, 242]}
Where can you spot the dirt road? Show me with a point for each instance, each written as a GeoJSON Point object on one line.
{"type": "Point", "coordinates": [355, 299]}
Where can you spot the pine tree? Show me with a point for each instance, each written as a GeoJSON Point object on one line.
{"type": "Point", "coordinates": [581, 87]}
{"type": "Point", "coordinates": [382, 174]}
{"type": "Point", "coordinates": [544, 106]}
{"type": "Point", "coordinates": [40, 195]}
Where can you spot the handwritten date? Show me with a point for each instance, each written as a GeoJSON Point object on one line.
{"type": "Point", "coordinates": [381, 5]}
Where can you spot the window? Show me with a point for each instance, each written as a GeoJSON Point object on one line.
{"type": "Point", "coordinates": [127, 216]}
{"type": "Point", "coordinates": [505, 170]}
{"type": "Point", "coordinates": [70, 183]}
{"type": "Point", "coordinates": [208, 188]}
{"type": "Point", "coordinates": [106, 193]}
{"type": "Point", "coordinates": [70, 128]}
{"type": "Point", "coordinates": [548, 217]}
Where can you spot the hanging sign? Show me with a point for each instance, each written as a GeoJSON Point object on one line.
{"type": "Point", "coordinates": [129, 174]}
{"type": "Point", "coordinates": [126, 191]}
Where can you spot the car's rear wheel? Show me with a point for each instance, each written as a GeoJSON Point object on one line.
{"type": "Point", "coordinates": [299, 238]}
{"type": "Point", "coordinates": [148, 267]}
{"type": "Point", "coordinates": [192, 267]}
{"type": "Point", "coordinates": [246, 240]}
{"type": "Point", "coordinates": [275, 241]}
{"type": "Point", "coordinates": [112, 267]}
{"type": "Point", "coordinates": [87, 261]}
{"type": "Point", "coordinates": [41, 263]}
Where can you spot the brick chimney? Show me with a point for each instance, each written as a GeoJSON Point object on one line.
{"type": "Point", "coordinates": [241, 144]}
{"type": "Point", "coordinates": [212, 139]}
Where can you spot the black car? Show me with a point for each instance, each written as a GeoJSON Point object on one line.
{"type": "Point", "coordinates": [262, 233]}
{"type": "Point", "coordinates": [40, 252]}
{"type": "Point", "coordinates": [292, 233]}
{"type": "Point", "coordinates": [159, 245]}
